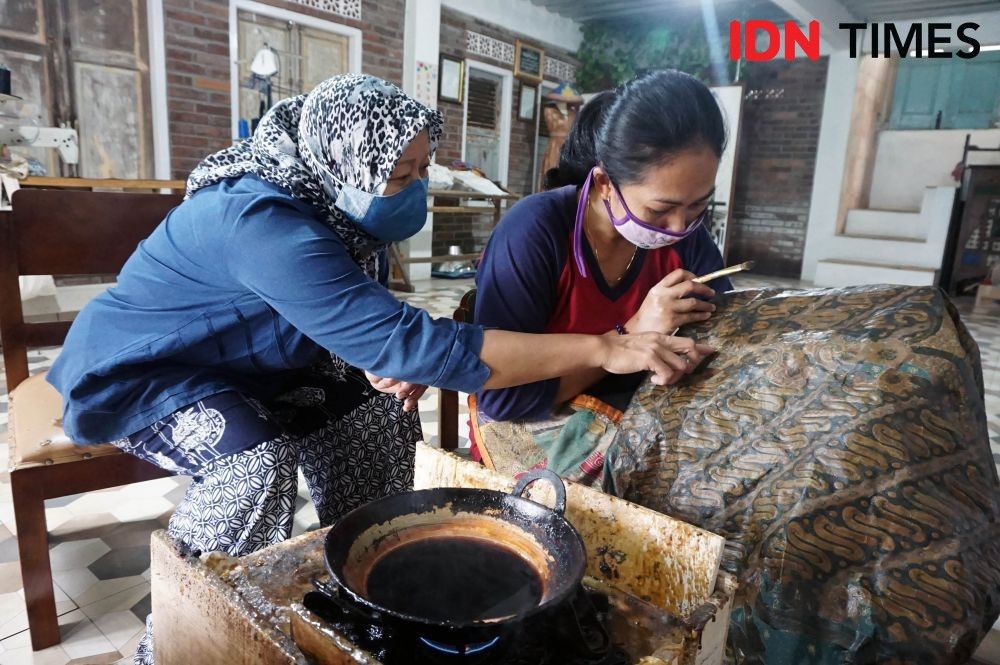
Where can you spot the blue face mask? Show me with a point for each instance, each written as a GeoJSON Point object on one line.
{"type": "Point", "coordinates": [389, 218]}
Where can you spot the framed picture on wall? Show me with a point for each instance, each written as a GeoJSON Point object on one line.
{"type": "Point", "coordinates": [528, 102]}
{"type": "Point", "coordinates": [451, 81]}
{"type": "Point", "coordinates": [529, 62]}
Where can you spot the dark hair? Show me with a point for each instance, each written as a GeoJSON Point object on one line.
{"type": "Point", "coordinates": [640, 124]}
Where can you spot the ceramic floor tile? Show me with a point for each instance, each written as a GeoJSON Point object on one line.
{"type": "Point", "coordinates": [10, 578]}
{"type": "Point", "coordinates": [95, 502]}
{"type": "Point", "coordinates": [141, 509]}
{"type": "Point", "coordinates": [144, 607]}
{"type": "Point", "coordinates": [25, 656]}
{"type": "Point", "coordinates": [77, 554]}
{"type": "Point", "coordinates": [21, 639]}
{"type": "Point", "coordinates": [81, 527]}
{"type": "Point", "coordinates": [122, 562]}
{"type": "Point", "coordinates": [11, 604]}
{"type": "Point", "coordinates": [61, 501]}
{"type": "Point", "coordinates": [150, 488]}
{"type": "Point", "coordinates": [120, 602]}
{"type": "Point", "coordinates": [7, 517]}
{"type": "Point", "coordinates": [83, 639]}
{"type": "Point", "coordinates": [119, 627]}
{"type": "Point", "coordinates": [75, 581]}
{"type": "Point", "coordinates": [17, 621]}
{"type": "Point", "coordinates": [57, 516]}
{"type": "Point", "coordinates": [98, 659]}
{"type": "Point", "coordinates": [8, 545]}
{"type": "Point", "coordinates": [106, 588]}
{"type": "Point", "coordinates": [129, 647]}
{"type": "Point", "coordinates": [5, 495]}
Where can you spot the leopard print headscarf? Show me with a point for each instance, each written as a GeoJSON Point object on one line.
{"type": "Point", "coordinates": [350, 129]}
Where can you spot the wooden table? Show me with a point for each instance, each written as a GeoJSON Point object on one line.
{"type": "Point", "coordinates": [102, 183]}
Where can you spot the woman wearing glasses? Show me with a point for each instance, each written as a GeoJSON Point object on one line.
{"type": "Point", "coordinates": [611, 248]}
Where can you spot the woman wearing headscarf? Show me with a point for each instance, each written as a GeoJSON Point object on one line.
{"type": "Point", "coordinates": [234, 345]}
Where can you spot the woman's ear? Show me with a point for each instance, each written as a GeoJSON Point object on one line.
{"type": "Point", "coordinates": [602, 183]}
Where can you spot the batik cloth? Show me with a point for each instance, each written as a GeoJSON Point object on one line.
{"type": "Point", "coordinates": [838, 441]}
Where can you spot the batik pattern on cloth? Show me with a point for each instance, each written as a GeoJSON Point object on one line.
{"type": "Point", "coordinates": [200, 433]}
{"type": "Point", "coordinates": [353, 444]}
{"type": "Point", "coordinates": [838, 442]}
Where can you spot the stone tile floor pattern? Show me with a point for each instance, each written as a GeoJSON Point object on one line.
{"type": "Point", "coordinates": [99, 540]}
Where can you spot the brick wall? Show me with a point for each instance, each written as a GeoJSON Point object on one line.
{"type": "Point", "coordinates": [777, 156]}
{"type": "Point", "coordinates": [197, 52]}
{"type": "Point", "coordinates": [471, 231]}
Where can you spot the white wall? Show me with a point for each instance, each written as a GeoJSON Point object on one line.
{"type": "Point", "coordinates": [834, 132]}
{"type": "Point", "coordinates": [907, 161]}
{"type": "Point", "coordinates": [421, 43]}
{"type": "Point", "coordinates": [831, 152]}
{"type": "Point", "coordinates": [523, 17]}
{"type": "Point", "coordinates": [421, 40]}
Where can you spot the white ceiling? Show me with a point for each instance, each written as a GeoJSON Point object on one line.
{"type": "Point", "coordinates": [910, 9]}
{"type": "Point", "coordinates": [585, 11]}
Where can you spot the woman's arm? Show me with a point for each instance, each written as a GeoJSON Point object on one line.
{"type": "Point", "coordinates": [670, 304]}
{"type": "Point", "coordinates": [304, 272]}
{"type": "Point", "coordinates": [518, 358]}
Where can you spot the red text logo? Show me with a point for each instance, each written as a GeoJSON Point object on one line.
{"type": "Point", "coordinates": [744, 40]}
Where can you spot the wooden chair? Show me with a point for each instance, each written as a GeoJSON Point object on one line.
{"type": "Point", "coordinates": [448, 399]}
{"type": "Point", "coordinates": [59, 232]}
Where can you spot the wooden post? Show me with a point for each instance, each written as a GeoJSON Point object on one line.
{"type": "Point", "coordinates": [398, 279]}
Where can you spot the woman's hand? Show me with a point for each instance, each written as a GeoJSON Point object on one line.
{"type": "Point", "coordinates": [671, 304]}
{"type": "Point", "coordinates": [668, 358]}
{"type": "Point", "coordinates": [408, 393]}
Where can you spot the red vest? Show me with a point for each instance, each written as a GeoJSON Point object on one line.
{"type": "Point", "coordinates": [586, 305]}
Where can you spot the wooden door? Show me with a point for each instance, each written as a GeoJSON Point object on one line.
{"type": "Point", "coordinates": [966, 93]}
{"type": "Point", "coordinates": [324, 54]}
{"type": "Point", "coordinates": [483, 122]}
{"type": "Point", "coordinates": [256, 32]}
{"type": "Point", "coordinates": [975, 93]}
{"type": "Point", "coordinates": [108, 55]}
{"type": "Point", "coordinates": [24, 50]}
{"type": "Point", "coordinates": [921, 91]}
{"type": "Point", "coordinates": [83, 63]}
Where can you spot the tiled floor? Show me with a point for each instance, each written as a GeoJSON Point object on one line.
{"type": "Point", "coordinates": [99, 540]}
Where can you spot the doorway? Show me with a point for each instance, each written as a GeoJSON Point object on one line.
{"type": "Point", "coordinates": [486, 128]}
{"type": "Point", "coordinates": [308, 51]}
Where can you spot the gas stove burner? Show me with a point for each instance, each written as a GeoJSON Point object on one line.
{"type": "Point", "coordinates": [561, 637]}
{"type": "Point", "coordinates": [460, 649]}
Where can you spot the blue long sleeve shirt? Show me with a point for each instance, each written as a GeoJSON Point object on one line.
{"type": "Point", "coordinates": [241, 283]}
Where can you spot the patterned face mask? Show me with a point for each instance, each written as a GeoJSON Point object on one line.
{"type": "Point", "coordinates": [644, 235]}
{"type": "Point", "coordinates": [633, 229]}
